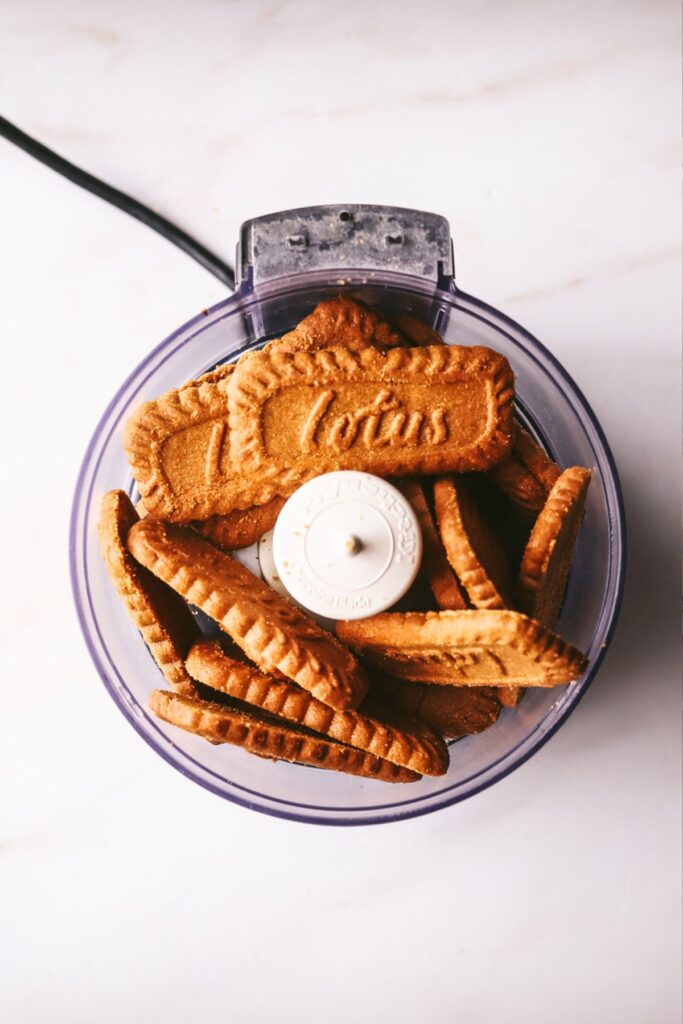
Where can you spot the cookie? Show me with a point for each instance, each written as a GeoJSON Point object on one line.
{"type": "Point", "coordinates": [279, 741]}
{"type": "Point", "coordinates": [416, 332]}
{"type": "Point", "coordinates": [340, 322]}
{"type": "Point", "coordinates": [269, 629]}
{"type": "Point", "coordinates": [535, 458]}
{"type": "Point", "coordinates": [442, 580]}
{"type": "Point", "coordinates": [212, 376]}
{"type": "Point", "coordinates": [480, 549]}
{"type": "Point", "coordinates": [470, 648]}
{"type": "Point", "coordinates": [240, 528]}
{"type": "Point", "coordinates": [510, 696]}
{"type": "Point", "coordinates": [474, 551]}
{"type": "Point", "coordinates": [527, 475]}
{"type": "Point", "coordinates": [452, 711]}
{"type": "Point", "coordinates": [510, 526]}
{"type": "Point", "coordinates": [547, 557]}
{"type": "Point", "coordinates": [402, 741]}
{"type": "Point", "coordinates": [162, 617]}
{"type": "Point", "coordinates": [405, 411]}
{"type": "Point", "coordinates": [177, 447]}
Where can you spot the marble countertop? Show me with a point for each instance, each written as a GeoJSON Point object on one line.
{"type": "Point", "coordinates": [548, 134]}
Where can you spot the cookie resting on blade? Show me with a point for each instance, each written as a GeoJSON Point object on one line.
{"type": "Point", "coordinates": [416, 331]}
{"type": "Point", "coordinates": [527, 475]}
{"type": "Point", "coordinates": [211, 376]}
{"type": "Point", "coordinates": [470, 648]}
{"type": "Point", "coordinates": [279, 741]}
{"type": "Point", "coordinates": [269, 629]}
{"type": "Point", "coordinates": [429, 410]}
{"type": "Point", "coordinates": [396, 738]}
{"type": "Point", "coordinates": [474, 550]}
{"type": "Point", "coordinates": [163, 618]}
{"type": "Point", "coordinates": [340, 322]}
{"type": "Point", "coordinates": [510, 696]}
{"type": "Point", "coordinates": [442, 580]}
{"type": "Point", "coordinates": [452, 711]}
{"type": "Point", "coordinates": [548, 554]}
{"type": "Point", "coordinates": [242, 527]}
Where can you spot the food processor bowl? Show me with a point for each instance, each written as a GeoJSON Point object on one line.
{"type": "Point", "coordinates": [395, 260]}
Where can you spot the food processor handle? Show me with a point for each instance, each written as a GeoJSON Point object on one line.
{"type": "Point", "coordinates": [376, 239]}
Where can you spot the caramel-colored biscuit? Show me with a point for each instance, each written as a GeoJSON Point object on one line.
{"type": "Point", "coordinates": [470, 648]}
{"type": "Point", "coordinates": [535, 458]}
{"type": "Point", "coordinates": [453, 711]}
{"type": "Point", "coordinates": [527, 475]}
{"type": "Point", "coordinates": [242, 527]}
{"type": "Point", "coordinates": [492, 540]}
{"type": "Point", "coordinates": [340, 322]}
{"type": "Point", "coordinates": [547, 557]}
{"type": "Point", "coordinates": [416, 331]}
{"type": "Point", "coordinates": [510, 696]}
{"type": "Point", "coordinates": [371, 728]}
{"type": "Point", "coordinates": [211, 376]}
{"type": "Point", "coordinates": [178, 445]}
{"type": "Point", "coordinates": [279, 741]}
{"type": "Point", "coordinates": [163, 618]}
{"type": "Point", "coordinates": [442, 579]}
{"type": "Point", "coordinates": [510, 526]}
{"type": "Point", "coordinates": [269, 629]}
{"type": "Point", "coordinates": [503, 535]}
{"type": "Point", "coordinates": [405, 411]}
{"type": "Point", "coordinates": [473, 549]}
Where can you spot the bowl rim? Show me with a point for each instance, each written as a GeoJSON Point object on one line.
{"type": "Point", "coordinates": [376, 814]}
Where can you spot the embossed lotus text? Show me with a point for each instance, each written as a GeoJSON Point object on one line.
{"type": "Point", "coordinates": [383, 422]}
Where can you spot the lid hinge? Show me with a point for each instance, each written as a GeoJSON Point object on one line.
{"type": "Point", "coordinates": [373, 239]}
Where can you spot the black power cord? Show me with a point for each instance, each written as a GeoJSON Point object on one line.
{"type": "Point", "coordinates": [155, 221]}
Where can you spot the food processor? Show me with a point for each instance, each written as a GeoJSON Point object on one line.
{"type": "Point", "coordinates": [394, 260]}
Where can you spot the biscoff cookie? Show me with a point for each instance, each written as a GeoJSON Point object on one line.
{"type": "Point", "coordinates": [296, 415]}
{"type": "Point", "coordinates": [337, 322]}
{"type": "Point", "coordinates": [403, 740]}
{"type": "Point", "coordinates": [164, 620]}
{"type": "Point", "coordinates": [211, 376]}
{"type": "Point", "coordinates": [474, 550]}
{"type": "Point", "coordinates": [470, 648]}
{"type": "Point", "coordinates": [340, 322]}
{"type": "Point", "coordinates": [416, 332]}
{"type": "Point", "coordinates": [242, 527]}
{"type": "Point", "coordinates": [510, 696]}
{"type": "Point", "coordinates": [442, 580]}
{"type": "Point", "coordinates": [177, 447]}
{"type": "Point", "coordinates": [280, 741]}
{"type": "Point", "coordinates": [527, 475]}
{"type": "Point", "coordinates": [270, 630]}
{"type": "Point", "coordinates": [452, 711]}
{"type": "Point", "coordinates": [547, 557]}
{"type": "Point", "coordinates": [535, 458]}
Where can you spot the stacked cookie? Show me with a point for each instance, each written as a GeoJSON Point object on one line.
{"type": "Point", "coordinates": [216, 459]}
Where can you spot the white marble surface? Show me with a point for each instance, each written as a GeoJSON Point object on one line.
{"type": "Point", "coordinates": [547, 133]}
